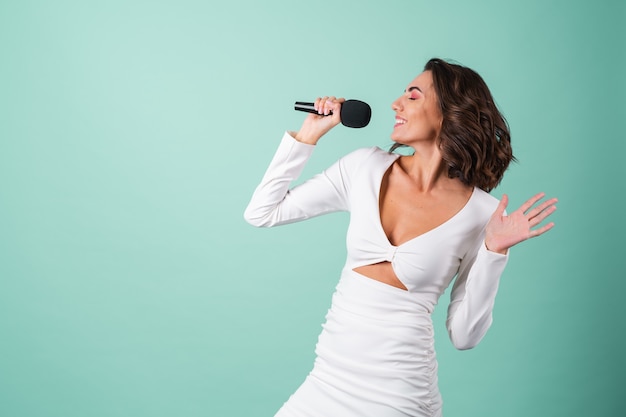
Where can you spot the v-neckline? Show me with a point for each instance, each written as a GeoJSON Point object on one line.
{"type": "Point", "coordinates": [429, 231]}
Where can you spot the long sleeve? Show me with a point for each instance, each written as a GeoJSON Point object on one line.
{"type": "Point", "coordinates": [273, 203]}
{"type": "Point", "coordinates": [473, 295]}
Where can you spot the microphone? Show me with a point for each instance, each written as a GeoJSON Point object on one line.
{"type": "Point", "coordinates": [354, 113]}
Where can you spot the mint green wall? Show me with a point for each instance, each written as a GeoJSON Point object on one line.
{"type": "Point", "coordinates": [132, 134]}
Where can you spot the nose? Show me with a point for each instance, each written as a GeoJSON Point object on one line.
{"type": "Point", "coordinates": [397, 105]}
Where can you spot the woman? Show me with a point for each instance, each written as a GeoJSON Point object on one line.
{"type": "Point", "coordinates": [416, 222]}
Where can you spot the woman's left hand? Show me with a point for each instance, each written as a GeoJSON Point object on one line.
{"type": "Point", "coordinates": [505, 231]}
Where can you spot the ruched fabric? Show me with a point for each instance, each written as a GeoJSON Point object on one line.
{"type": "Point", "coordinates": [375, 356]}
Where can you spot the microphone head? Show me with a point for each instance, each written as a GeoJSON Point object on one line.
{"type": "Point", "coordinates": [355, 113]}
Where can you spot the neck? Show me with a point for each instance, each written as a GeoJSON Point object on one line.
{"type": "Point", "coordinates": [426, 168]}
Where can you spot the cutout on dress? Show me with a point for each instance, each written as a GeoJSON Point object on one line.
{"type": "Point", "coordinates": [382, 272]}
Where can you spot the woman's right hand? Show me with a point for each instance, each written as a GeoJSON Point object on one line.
{"type": "Point", "coordinates": [317, 125]}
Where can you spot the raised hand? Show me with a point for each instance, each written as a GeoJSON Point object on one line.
{"type": "Point", "coordinates": [317, 125]}
{"type": "Point", "coordinates": [505, 231]}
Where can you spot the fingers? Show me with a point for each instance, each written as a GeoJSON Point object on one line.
{"type": "Point", "coordinates": [540, 213]}
{"type": "Point", "coordinates": [321, 105]}
{"type": "Point", "coordinates": [540, 209]}
{"type": "Point", "coordinates": [531, 202]}
{"type": "Point", "coordinates": [504, 202]}
{"type": "Point", "coordinates": [541, 230]}
{"type": "Point", "coordinates": [328, 104]}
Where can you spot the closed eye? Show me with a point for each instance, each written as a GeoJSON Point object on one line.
{"type": "Point", "coordinates": [414, 93]}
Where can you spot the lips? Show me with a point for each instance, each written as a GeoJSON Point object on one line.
{"type": "Point", "coordinates": [399, 122]}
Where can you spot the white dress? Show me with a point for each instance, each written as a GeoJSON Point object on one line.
{"type": "Point", "coordinates": [375, 356]}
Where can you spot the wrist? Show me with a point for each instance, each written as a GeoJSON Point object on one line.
{"type": "Point", "coordinates": [495, 249]}
{"type": "Point", "coordinates": [305, 137]}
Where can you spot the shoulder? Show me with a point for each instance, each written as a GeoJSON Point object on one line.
{"type": "Point", "coordinates": [369, 155]}
{"type": "Point", "coordinates": [360, 165]}
{"type": "Point", "coordinates": [367, 152]}
{"type": "Point", "coordinates": [483, 203]}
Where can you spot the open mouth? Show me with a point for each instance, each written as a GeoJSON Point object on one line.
{"type": "Point", "coordinates": [399, 122]}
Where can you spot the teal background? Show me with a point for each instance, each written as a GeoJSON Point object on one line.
{"type": "Point", "coordinates": [132, 134]}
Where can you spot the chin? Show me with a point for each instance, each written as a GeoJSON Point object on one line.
{"type": "Point", "coordinates": [397, 140]}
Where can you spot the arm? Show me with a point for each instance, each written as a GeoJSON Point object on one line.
{"type": "Point", "coordinates": [474, 291]}
{"type": "Point", "coordinates": [473, 296]}
{"type": "Point", "coordinates": [273, 203]}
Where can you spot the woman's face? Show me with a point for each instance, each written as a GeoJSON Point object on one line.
{"type": "Point", "coordinates": [418, 118]}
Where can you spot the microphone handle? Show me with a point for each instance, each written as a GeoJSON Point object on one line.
{"type": "Point", "coordinates": [307, 107]}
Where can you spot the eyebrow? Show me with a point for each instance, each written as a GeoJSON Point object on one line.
{"type": "Point", "coordinates": [414, 88]}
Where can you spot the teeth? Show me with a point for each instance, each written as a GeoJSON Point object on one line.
{"type": "Point", "coordinates": [400, 121]}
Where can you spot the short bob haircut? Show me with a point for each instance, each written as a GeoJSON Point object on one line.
{"type": "Point", "coordinates": [475, 140]}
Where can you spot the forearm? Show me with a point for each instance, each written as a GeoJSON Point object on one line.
{"type": "Point", "coordinates": [473, 298]}
{"type": "Point", "coordinates": [266, 207]}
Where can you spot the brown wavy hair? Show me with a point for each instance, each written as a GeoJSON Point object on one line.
{"type": "Point", "coordinates": [475, 139]}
